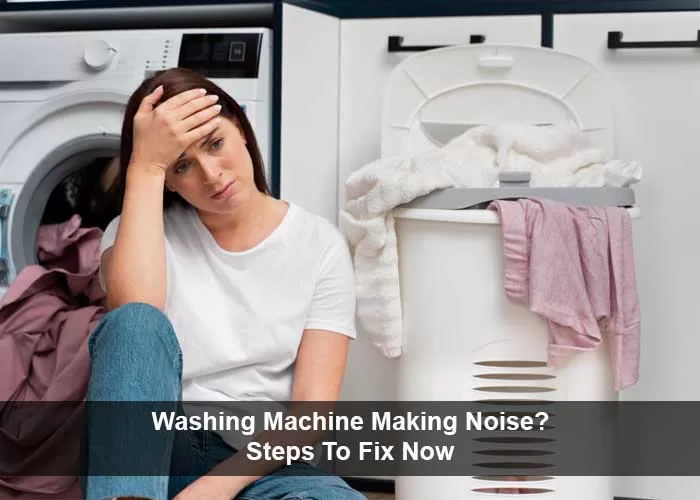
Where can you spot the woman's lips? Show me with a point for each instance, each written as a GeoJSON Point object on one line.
{"type": "Point", "coordinates": [225, 192]}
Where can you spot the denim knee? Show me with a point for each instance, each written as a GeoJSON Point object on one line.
{"type": "Point", "coordinates": [341, 493]}
{"type": "Point", "coordinates": [328, 492]}
{"type": "Point", "coordinates": [139, 327]}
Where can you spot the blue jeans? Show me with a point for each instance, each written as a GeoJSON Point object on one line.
{"type": "Point", "coordinates": [135, 357]}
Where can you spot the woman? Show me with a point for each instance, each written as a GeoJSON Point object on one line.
{"type": "Point", "coordinates": [226, 294]}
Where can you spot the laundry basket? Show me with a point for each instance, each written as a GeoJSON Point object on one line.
{"type": "Point", "coordinates": [465, 341]}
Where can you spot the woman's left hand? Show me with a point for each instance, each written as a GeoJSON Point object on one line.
{"type": "Point", "coordinates": [210, 488]}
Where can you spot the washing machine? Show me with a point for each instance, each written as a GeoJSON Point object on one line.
{"type": "Point", "coordinates": [62, 98]}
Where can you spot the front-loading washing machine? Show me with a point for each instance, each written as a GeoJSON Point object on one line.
{"type": "Point", "coordinates": [62, 99]}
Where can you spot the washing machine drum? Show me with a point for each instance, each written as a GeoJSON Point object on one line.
{"type": "Point", "coordinates": [432, 97]}
{"type": "Point", "coordinates": [52, 156]}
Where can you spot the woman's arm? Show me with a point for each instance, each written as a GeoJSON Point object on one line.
{"type": "Point", "coordinates": [134, 267]}
{"type": "Point", "coordinates": [320, 366]}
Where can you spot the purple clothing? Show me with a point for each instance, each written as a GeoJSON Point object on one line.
{"type": "Point", "coordinates": [575, 267]}
{"type": "Point", "coordinates": [46, 317]}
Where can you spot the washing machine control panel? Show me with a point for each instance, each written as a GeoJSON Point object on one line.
{"type": "Point", "coordinates": [221, 55]}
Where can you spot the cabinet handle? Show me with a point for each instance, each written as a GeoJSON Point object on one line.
{"type": "Point", "coordinates": [395, 44]}
{"type": "Point", "coordinates": [615, 42]}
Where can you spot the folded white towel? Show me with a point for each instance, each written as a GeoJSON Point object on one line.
{"type": "Point", "coordinates": [555, 156]}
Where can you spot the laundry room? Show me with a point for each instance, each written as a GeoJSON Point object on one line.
{"type": "Point", "coordinates": [493, 205]}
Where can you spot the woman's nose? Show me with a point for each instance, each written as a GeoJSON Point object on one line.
{"type": "Point", "coordinates": [211, 172]}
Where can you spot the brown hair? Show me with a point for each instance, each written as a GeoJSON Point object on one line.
{"type": "Point", "coordinates": [176, 81]}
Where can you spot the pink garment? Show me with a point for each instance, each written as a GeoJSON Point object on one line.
{"type": "Point", "coordinates": [46, 317]}
{"type": "Point", "coordinates": [575, 267]}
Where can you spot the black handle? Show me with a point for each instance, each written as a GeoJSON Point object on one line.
{"type": "Point", "coordinates": [396, 44]}
{"type": "Point", "coordinates": [615, 42]}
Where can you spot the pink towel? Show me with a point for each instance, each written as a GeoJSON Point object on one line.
{"type": "Point", "coordinates": [575, 267]}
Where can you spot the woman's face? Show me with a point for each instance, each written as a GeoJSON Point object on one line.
{"type": "Point", "coordinates": [215, 174]}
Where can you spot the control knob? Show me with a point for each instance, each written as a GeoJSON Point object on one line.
{"type": "Point", "coordinates": [98, 54]}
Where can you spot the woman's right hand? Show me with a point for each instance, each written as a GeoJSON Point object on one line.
{"type": "Point", "coordinates": [162, 133]}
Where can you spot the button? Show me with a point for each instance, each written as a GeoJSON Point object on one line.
{"type": "Point", "coordinates": [236, 52]}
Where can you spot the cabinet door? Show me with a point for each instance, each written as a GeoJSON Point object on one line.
{"type": "Point", "coordinates": [309, 110]}
{"type": "Point", "coordinates": [656, 101]}
{"type": "Point", "coordinates": [365, 65]}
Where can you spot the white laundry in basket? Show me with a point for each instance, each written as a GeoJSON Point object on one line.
{"type": "Point", "coordinates": [556, 156]}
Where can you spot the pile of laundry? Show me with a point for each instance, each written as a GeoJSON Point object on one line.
{"type": "Point", "coordinates": [560, 156]}
{"type": "Point", "coordinates": [46, 317]}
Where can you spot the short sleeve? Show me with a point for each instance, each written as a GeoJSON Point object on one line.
{"type": "Point", "coordinates": [333, 304]}
{"type": "Point", "coordinates": [108, 238]}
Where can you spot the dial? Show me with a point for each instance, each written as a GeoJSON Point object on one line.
{"type": "Point", "coordinates": [98, 54]}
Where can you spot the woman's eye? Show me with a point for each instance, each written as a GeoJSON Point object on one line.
{"type": "Point", "coordinates": [216, 145]}
{"type": "Point", "coordinates": [181, 168]}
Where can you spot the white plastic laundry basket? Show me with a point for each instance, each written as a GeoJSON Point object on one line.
{"type": "Point", "coordinates": [462, 338]}
{"type": "Point", "coordinates": [464, 341]}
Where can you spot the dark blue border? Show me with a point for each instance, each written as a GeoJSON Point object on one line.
{"type": "Point", "coordinates": [355, 9]}
{"type": "Point", "coordinates": [348, 9]}
{"type": "Point", "coordinates": [118, 4]}
{"type": "Point", "coordinates": [276, 111]}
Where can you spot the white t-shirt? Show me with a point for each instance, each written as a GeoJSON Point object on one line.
{"type": "Point", "coordinates": [239, 316]}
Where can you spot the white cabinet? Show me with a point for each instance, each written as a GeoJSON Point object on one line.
{"type": "Point", "coordinates": [656, 100]}
{"type": "Point", "coordinates": [309, 110]}
{"type": "Point", "coordinates": [365, 65]}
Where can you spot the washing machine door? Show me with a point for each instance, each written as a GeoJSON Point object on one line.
{"type": "Point", "coordinates": [435, 96]}
{"type": "Point", "coordinates": [57, 138]}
